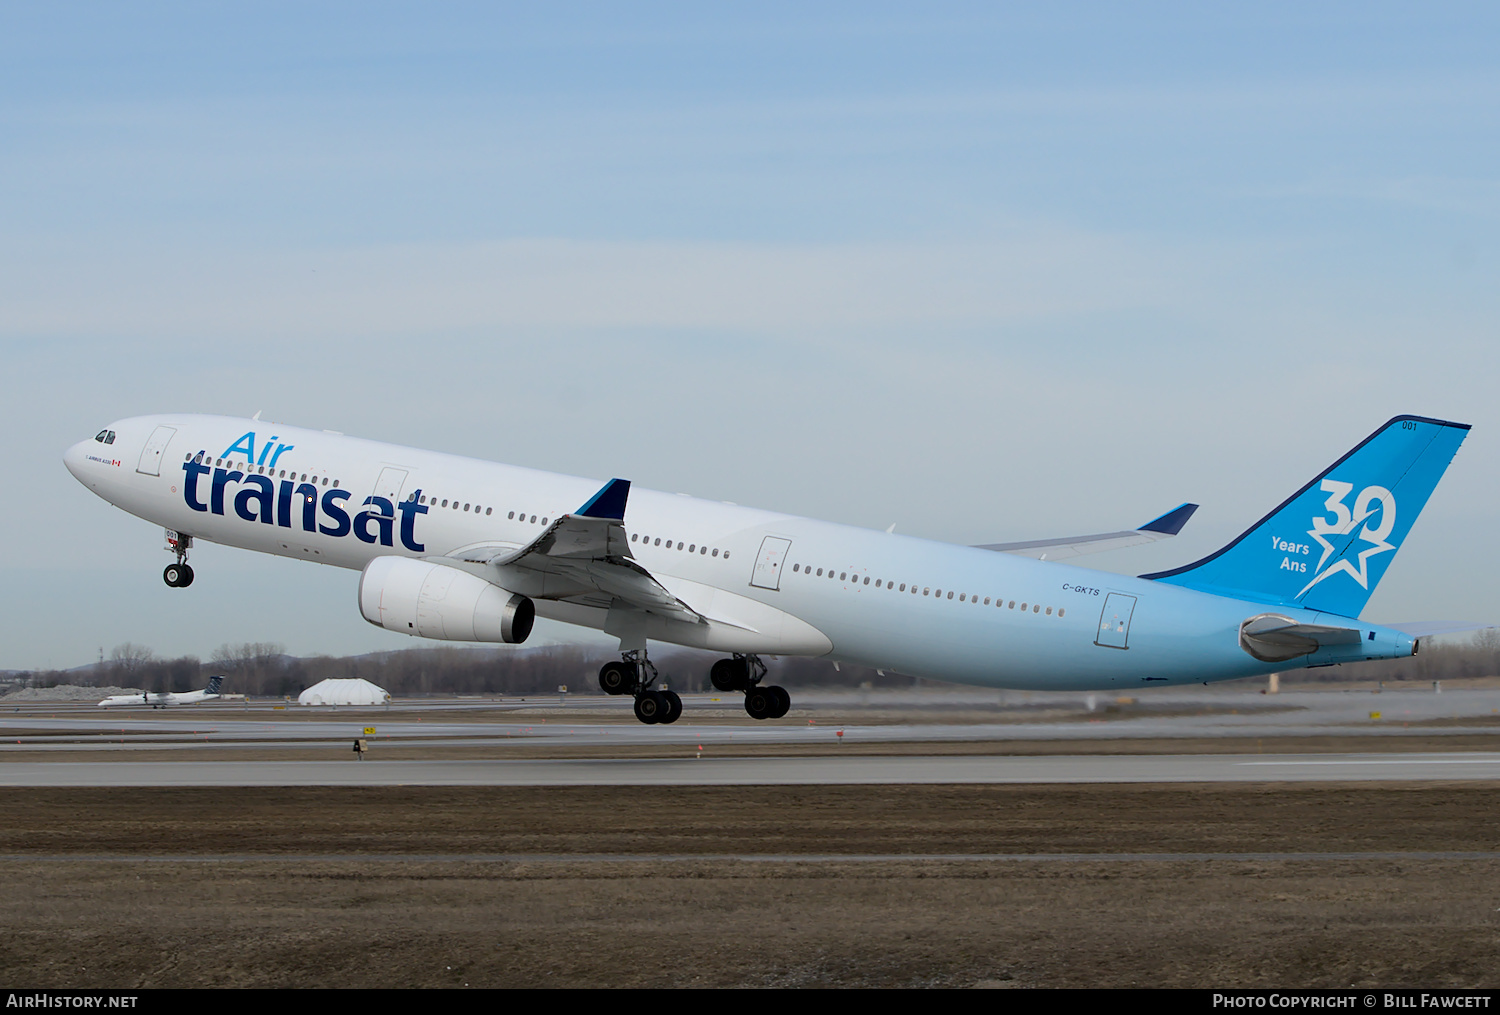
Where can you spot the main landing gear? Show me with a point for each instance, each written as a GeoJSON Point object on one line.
{"type": "Point", "coordinates": [634, 674]}
{"type": "Point", "coordinates": [178, 575]}
{"type": "Point", "coordinates": [744, 673]}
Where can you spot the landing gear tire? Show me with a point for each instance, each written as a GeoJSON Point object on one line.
{"type": "Point", "coordinates": [783, 701]}
{"type": "Point", "coordinates": [760, 703]}
{"type": "Point", "coordinates": [730, 675]}
{"type": "Point", "coordinates": [178, 576]}
{"type": "Point", "coordinates": [617, 677]}
{"type": "Point", "coordinates": [674, 707]}
{"type": "Point", "coordinates": [651, 708]}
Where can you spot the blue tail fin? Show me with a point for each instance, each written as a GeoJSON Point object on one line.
{"type": "Point", "coordinates": [1327, 546]}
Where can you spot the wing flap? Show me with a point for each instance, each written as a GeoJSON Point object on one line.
{"type": "Point", "coordinates": [590, 549]}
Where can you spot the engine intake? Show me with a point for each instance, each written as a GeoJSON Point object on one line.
{"type": "Point", "coordinates": [437, 601]}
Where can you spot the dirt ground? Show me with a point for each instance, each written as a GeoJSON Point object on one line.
{"type": "Point", "coordinates": [266, 887]}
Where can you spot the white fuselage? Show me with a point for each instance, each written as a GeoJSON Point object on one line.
{"type": "Point", "coordinates": [816, 589]}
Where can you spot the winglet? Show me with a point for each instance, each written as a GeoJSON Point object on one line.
{"type": "Point", "coordinates": [1172, 522]}
{"type": "Point", "coordinates": [609, 502]}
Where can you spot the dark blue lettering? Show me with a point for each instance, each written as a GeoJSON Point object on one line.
{"type": "Point", "coordinates": [309, 495]}
{"type": "Point", "coordinates": [216, 495]}
{"type": "Point", "coordinates": [259, 489]}
{"type": "Point", "coordinates": [333, 511]}
{"type": "Point", "coordinates": [284, 505]}
{"type": "Point", "coordinates": [409, 509]}
{"type": "Point", "coordinates": [190, 485]}
{"type": "Point", "coordinates": [383, 518]}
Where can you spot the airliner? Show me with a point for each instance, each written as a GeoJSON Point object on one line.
{"type": "Point", "coordinates": [468, 550]}
{"type": "Point", "coordinates": [164, 699]}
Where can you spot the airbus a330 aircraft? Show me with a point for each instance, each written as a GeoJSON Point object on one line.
{"type": "Point", "coordinates": [468, 550]}
{"type": "Point", "coordinates": [162, 699]}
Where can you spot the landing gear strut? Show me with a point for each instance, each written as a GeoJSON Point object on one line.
{"type": "Point", "coordinates": [634, 674]}
{"type": "Point", "coordinates": [744, 673]}
{"type": "Point", "coordinates": [178, 575]}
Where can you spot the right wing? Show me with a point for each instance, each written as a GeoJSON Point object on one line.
{"type": "Point", "coordinates": [1165, 527]}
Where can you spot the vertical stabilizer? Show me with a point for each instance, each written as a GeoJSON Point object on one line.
{"type": "Point", "coordinates": [1328, 545]}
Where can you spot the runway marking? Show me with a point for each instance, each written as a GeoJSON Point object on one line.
{"type": "Point", "coordinates": [755, 858]}
{"type": "Point", "coordinates": [1445, 760]}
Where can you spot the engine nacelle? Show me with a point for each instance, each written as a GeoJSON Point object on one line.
{"type": "Point", "coordinates": [437, 601]}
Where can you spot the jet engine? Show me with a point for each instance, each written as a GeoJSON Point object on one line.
{"type": "Point", "coordinates": [437, 601]}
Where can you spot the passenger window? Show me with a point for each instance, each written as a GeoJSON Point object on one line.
{"type": "Point", "coordinates": [679, 546]}
{"type": "Point", "coordinates": [702, 550]}
{"type": "Point", "coordinates": [335, 482]}
{"type": "Point", "coordinates": [867, 581]}
{"type": "Point", "coordinates": [926, 591]}
{"type": "Point", "coordinates": [716, 551]}
{"type": "Point", "coordinates": [1023, 607]}
{"type": "Point", "coordinates": [1059, 611]}
{"type": "Point", "coordinates": [950, 595]}
{"type": "Point", "coordinates": [489, 511]}
{"type": "Point", "coordinates": [843, 575]}
{"type": "Point", "coordinates": [325, 480]}
{"type": "Point", "coordinates": [533, 519]}
{"type": "Point", "coordinates": [877, 583]}
{"type": "Point", "coordinates": [445, 502]}
{"type": "Point", "coordinates": [820, 572]}
{"type": "Point", "coordinates": [1036, 609]}
{"type": "Point", "coordinates": [692, 548]}
{"type": "Point", "coordinates": [658, 541]}
{"type": "Point", "coordinates": [796, 568]}
{"type": "Point", "coordinates": [986, 600]}
{"type": "Point", "coordinates": [634, 536]}
{"type": "Point", "coordinates": [1049, 611]}
{"type": "Point", "coordinates": [962, 597]}
{"type": "Point", "coordinates": [726, 554]}
{"type": "Point", "coordinates": [511, 516]}
{"type": "Point", "coordinates": [466, 507]}
{"type": "Point", "coordinates": [544, 521]}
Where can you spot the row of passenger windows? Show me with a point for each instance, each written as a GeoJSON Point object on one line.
{"type": "Point", "coordinates": [962, 597]}
{"type": "Point", "coordinates": [703, 550]}
{"type": "Point", "coordinates": [256, 470]}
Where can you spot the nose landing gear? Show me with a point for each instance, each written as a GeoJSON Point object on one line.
{"type": "Point", "coordinates": [634, 674]}
{"type": "Point", "coordinates": [178, 575]}
{"type": "Point", "coordinates": [744, 673]}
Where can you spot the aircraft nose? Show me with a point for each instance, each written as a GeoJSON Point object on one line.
{"type": "Point", "coordinates": [73, 458]}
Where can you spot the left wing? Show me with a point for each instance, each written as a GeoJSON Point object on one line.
{"type": "Point", "coordinates": [590, 552]}
{"type": "Point", "coordinates": [1165, 527]}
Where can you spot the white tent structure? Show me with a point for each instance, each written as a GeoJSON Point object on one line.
{"type": "Point", "coordinates": [344, 692]}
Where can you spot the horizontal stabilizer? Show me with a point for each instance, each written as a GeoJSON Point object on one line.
{"type": "Point", "coordinates": [1433, 628]}
{"type": "Point", "coordinates": [1272, 638]}
{"type": "Point", "coordinates": [1063, 547]}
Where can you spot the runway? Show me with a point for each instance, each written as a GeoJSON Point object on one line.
{"type": "Point", "coordinates": [764, 771]}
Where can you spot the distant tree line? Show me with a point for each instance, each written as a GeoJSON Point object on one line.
{"type": "Point", "coordinates": [263, 669]}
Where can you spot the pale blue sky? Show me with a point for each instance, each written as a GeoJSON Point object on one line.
{"type": "Point", "coordinates": [987, 273]}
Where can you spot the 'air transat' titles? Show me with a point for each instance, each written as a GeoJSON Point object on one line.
{"type": "Point", "coordinates": [261, 499]}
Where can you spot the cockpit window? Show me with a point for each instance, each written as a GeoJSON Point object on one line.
{"type": "Point", "coordinates": [105, 437]}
